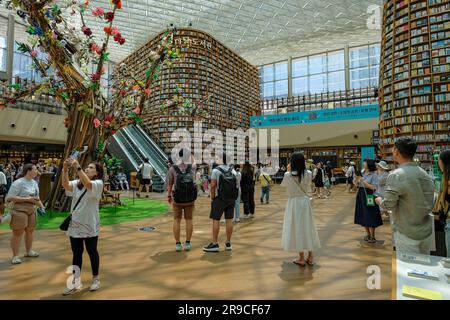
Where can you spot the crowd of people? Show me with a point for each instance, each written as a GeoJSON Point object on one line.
{"type": "Point", "coordinates": [405, 194]}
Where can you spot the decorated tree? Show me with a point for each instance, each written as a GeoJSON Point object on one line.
{"type": "Point", "coordinates": [71, 53]}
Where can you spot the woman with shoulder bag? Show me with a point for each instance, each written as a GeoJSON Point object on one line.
{"type": "Point", "coordinates": [367, 213]}
{"type": "Point", "coordinates": [84, 226]}
{"type": "Point", "coordinates": [24, 194]}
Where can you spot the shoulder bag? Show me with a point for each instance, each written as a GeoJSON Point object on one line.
{"type": "Point", "coordinates": [370, 199]}
{"type": "Point", "coordinates": [65, 224]}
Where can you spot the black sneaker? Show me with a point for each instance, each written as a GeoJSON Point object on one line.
{"type": "Point", "coordinates": [261, 200]}
{"type": "Point", "coordinates": [211, 247]}
{"type": "Point", "coordinates": [228, 246]}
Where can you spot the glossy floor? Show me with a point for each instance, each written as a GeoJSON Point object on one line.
{"type": "Point", "coordinates": [141, 265]}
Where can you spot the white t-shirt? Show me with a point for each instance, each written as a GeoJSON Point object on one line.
{"type": "Point", "coordinates": [147, 171]}
{"type": "Point", "coordinates": [2, 178]}
{"type": "Point", "coordinates": [86, 218]}
{"type": "Point", "coordinates": [216, 176]}
{"type": "Point", "coordinates": [23, 188]}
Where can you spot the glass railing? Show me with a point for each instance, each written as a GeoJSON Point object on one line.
{"type": "Point", "coordinates": [327, 100]}
{"type": "Point", "coordinates": [157, 153]}
{"type": "Point", "coordinates": [128, 147]}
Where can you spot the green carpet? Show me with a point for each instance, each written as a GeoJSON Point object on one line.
{"type": "Point", "coordinates": [141, 209]}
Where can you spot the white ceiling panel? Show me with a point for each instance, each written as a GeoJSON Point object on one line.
{"type": "Point", "coordinates": [261, 31]}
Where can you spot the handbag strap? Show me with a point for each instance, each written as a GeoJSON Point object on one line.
{"type": "Point", "coordinates": [264, 176]}
{"type": "Point", "coordinates": [79, 199]}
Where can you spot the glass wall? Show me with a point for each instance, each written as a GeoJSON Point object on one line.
{"type": "Point", "coordinates": [321, 73]}
{"type": "Point", "coordinates": [364, 66]}
{"type": "Point", "coordinates": [3, 30]}
{"type": "Point", "coordinates": [274, 80]}
{"type": "Point", "coordinates": [318, 73]}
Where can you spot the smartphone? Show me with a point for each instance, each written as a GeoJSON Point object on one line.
{"type": "Point", "coordinates": [74, 155]}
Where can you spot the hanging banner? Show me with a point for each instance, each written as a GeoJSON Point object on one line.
{"type": "Point", "coordinates": [315, 116]}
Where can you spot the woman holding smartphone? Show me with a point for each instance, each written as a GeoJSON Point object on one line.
{"type": "Point", "coordinates": [24, 193]}
{"type": "Point", "coordinates": [84, 227]}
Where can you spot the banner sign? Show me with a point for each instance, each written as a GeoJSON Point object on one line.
{"type": "Point", "coordinates": [315, 116]}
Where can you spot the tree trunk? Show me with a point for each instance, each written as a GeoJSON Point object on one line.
{"type": "Point", "coordinates": [80, 133]}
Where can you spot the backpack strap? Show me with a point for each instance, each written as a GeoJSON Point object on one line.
{"type": "Point", "coordinates": [221, 170]}
{"type": "Point", "coordinates": [177, 169]}
{"type": "Point", "coordinates": [188, 169]}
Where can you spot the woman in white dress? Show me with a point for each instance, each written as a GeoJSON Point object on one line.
{"type": "Point", "coordinates": [299, 229]}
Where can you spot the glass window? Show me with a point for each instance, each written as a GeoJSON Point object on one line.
{"type": "Point", "coordinates": [300, 86]}
{"type": "Point", "coordinates": [268, 73]}
{"type": "Point", "coordinates": [300, 67]}
{"type": "Point", "coordinates": [359, 57]}
{"type": "Point", "coordinates": [336, 61]}
{"type": "Point", "coordinates": [281, 88]}
{"type": "Point", "coordinates": [281, 71]}
{"type": "Point", "coordinates": [317, 64]}
{"type": "Point", "coordinates": [336, 81]}
{"type": "Point", "coordinates": [268, 90]}
{"type": "Point", "coordinates": [3, 53]}
{"type": "Point", "coordinates": [318, 83]}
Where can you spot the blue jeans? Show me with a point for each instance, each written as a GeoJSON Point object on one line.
{"type": "Point", "coordinates": [237, 206]}
{"type": "Point", "coordinates": [265, 192]}
{"type": "Point", "coordinates": [447, 238]}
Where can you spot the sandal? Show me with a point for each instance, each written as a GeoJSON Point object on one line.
{"type": "Point", "coordinates": [309, 262]}
{"type": "Point", "coordinates": [298, 263]}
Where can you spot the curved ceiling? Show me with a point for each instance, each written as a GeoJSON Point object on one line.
{"type": "Point", "coordinates": [261, 31]}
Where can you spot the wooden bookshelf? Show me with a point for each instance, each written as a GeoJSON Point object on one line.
{"type": "Point", "coordinates": [414, 92]}
{"type": "Point", "coordinates": [206, 67]}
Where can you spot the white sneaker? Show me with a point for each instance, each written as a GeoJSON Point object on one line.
{"type": "Point", "coordinates": [95, 285]}
{"type": "Point", "coordinates": [246, 216]}
{"type": "Point", "coordinates": [236, 220]}
{"type": "Point", "coordinates": [69, 291]}
{"type": "Point", "coordinates": [251, 216]}
{"type": "Point", "coordinates": [16, 260]}
{"type": "Point", "coordinates": [32, 254]}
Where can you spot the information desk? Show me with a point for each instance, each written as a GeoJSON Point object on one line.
{"type": "Point", "coordinates": [400, 277]}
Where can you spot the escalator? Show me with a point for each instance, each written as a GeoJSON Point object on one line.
{"type": "Point", "coordinates": [133, 145]}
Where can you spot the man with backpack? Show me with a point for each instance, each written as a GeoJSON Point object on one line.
{"type": "Point", "coordinates": [182, 193]}
{"type": "Point", "coordinates": [224, 192]}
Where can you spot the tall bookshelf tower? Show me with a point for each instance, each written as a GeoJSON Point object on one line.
{"type": "Point", "coordinates": [415, 75]}
{"type": "Point", "coordinates": [207, 67]}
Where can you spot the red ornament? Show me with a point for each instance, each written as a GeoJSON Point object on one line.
{"type": "Point", "coordinates": [108, 30]}
{"type": "Point", "coordinates": [109, 16]}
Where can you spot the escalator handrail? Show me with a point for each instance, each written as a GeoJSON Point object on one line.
{"type": "Point", "coordinates": [125, 150]}
{"type": "Point", "coordinates": [157, 147]}
{"type": "Point", "coordinates": [151, 145]}
{"type": "Point", "coordinates": [158, 168]}
{"type": "Point", "coordinates": [137, 157]}
{"type": "Point", "coordinates": [162, 157]}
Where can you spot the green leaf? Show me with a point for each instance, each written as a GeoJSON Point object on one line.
{"type": "Point", "coordinates": [148, 73]}
{"type": "Point", "coordinates": [105, 56]}
{"type": "Point", "coordinates": [31, 30]}
{"type": "Point", "coordinates": [16, 86]}
{"type": "Point", "coordinates": [64, 95]}
{"type": "Point", "coordinates": [94, 86]}
{"type": "Point", "coordinates": [22, 47]}
{"type": "Point", "coordinates": [155, 77]}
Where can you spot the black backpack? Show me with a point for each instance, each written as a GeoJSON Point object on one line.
{"type": "Point", "coordinates": [185, 189]}
{"type": "Point", "coordinates": [227, 185]}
